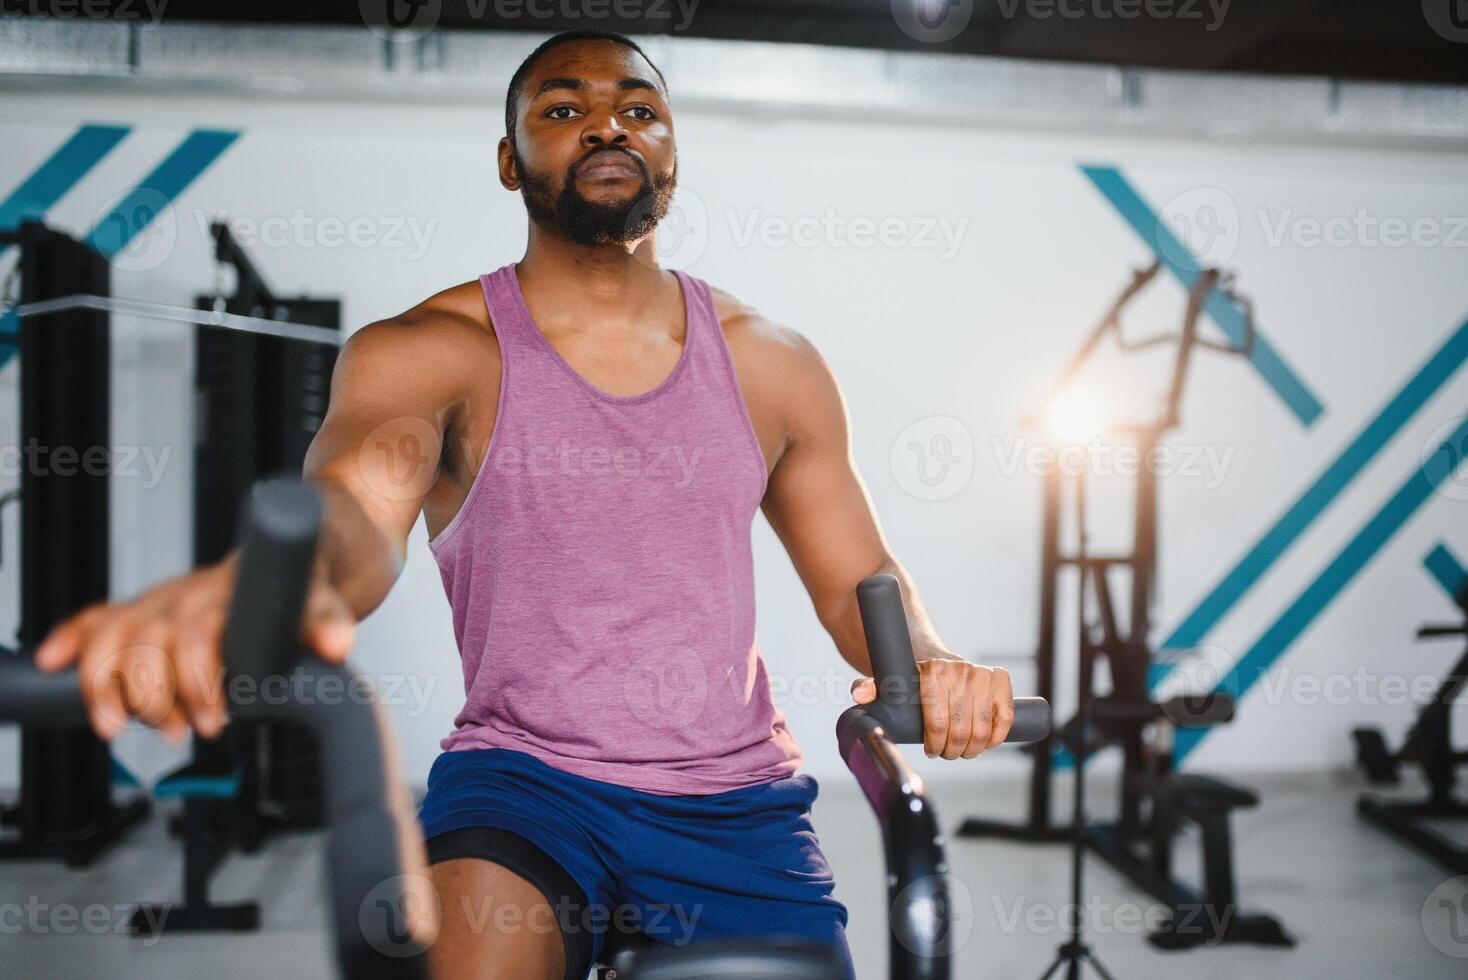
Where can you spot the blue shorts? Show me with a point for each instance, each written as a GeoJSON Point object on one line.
{"type": "Point", "coordinates": [739, 864]}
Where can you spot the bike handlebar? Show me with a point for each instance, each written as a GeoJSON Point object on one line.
{"type": "Point", "coordinates": [898, 708]}
{"type": "Point", "coordinates": [917, 879]}
{"type": "Point", "coordinates": [372, 828]}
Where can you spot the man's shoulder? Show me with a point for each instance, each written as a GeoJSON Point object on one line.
{"type": "Point", "coordinates": [447, 322]}
{"type": "Point", "coordinates": [753, 336]}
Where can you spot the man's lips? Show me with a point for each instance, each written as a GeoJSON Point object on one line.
{"type": "Point", "coordinates": [608, 165]}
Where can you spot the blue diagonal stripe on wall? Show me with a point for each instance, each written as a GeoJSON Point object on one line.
{"type": "Point", "coordinates": [1165, 246]}
{"type": "Point", "coordinates": [46, 185]}
{"type": "Point", "coordinates": [139, 207]}
{"type": "Point", "coordinates": [1326, 488]}
{"type": "Point", "coordinates": [61, 171]}
{"type": "Point", "coordinates": [169, 179]}
{"type": "Point", "coordinates": [1337, 575]}
{"type": "Point", "coordinates": [1446, 569]}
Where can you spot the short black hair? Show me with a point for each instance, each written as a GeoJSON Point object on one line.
{"type": "Point", "coordinates": [512, 96]}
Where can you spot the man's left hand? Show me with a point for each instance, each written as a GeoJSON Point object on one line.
{"type": "Point", "coordinates": [966, 708]}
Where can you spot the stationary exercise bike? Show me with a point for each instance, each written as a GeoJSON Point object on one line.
{"type": "Point", "coordinates": [371, 831]}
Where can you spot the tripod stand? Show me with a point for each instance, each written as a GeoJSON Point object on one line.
{"type": "Point", "coordinates": [1074, 953]}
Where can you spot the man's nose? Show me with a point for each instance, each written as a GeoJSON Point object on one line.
{"type": "Point", "coordinates": [603, 127]}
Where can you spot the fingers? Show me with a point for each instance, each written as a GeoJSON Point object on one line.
{"type": "Point", "coordinates": [864, 690]}
{"type": "Point", "coordinates": [1002, 695]}
{"type": "Point", "coordinates": [100, 667]}
{"type": "Point", "coordinates": [63, 646]}
{"type": "Point", "coordinates": [966, 708]}
{"type": "Point", "coordinates": [146, 675]}
{"type": "Point", "coordinates": [101, 692]}
{"type": "Point", "coordinates": [200, 669]}
{"type": "Point", "coordinates": [327, 624]}
{"type": "Point", "coordinates": [934, 677]}
{"type": "Point", "coordinates": [154, 658]}
{"type": "Point", "coordinates": [975, 696]}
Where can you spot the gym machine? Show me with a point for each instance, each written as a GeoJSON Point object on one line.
{"type": "Point", "coordinates": [1154, 799]}
{"type": "Point", "coordinates": [370, 830]}
{"type": "Point", "coordinates": [259, 400]}
{"type": "Point", "coordinates": [262, 382]}
{"type": "Point", "coordinates": [371, 826]}
{"type": "Point", "coordinates": [66, 808]}
{"type": "Point", "coordinates": [1429, 746]}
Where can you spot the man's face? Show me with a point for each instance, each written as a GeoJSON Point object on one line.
{"type": "Point", "coordinates": [593, 153]}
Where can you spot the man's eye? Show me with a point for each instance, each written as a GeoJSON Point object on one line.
{"type": "Point", "coordinates": [561, 112]}
{"type": "Point", "coordinates": [643, 112]}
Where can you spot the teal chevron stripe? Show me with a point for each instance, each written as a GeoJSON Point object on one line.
{"type": "Point", "coordinates": [61, 171]}
{"type": "Point", "coordinates": [1428, 380]}
{"type": "Point", "coordinates": [158, 190]}
{"type": "Point", "coordinates": [1244, 674]}
{"type": "Point", "coordinates": [46, 185]}
{"type": "Point", "coordinates": [141, 206]}
{"type": "Point", "coordinates": [1446, 570]}
{"type": "Point", "coordinates": [1165, 246]}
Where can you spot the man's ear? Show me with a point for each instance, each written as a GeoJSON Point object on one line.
{"type": "Point", "coordinates": [509, 177]}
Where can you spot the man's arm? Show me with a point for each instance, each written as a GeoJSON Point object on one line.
{"type": "Point", "coordinates": [157, 657]}
{"type": "Point", "coordinates": [378, 451]}
{"type": "Point", "coordinates": [819, 508]}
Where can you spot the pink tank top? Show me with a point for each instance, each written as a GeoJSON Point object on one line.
{"type": "Point", "coordinates": [600, 571]}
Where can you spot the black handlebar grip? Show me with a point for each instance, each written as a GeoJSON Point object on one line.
{"type": "Point", "coordinates": [280, 525]}
{"type": "Point", "coordinates": [884, 620]}
{"type": "Point", "coordinates": [1031, 720]}
{"type": "Point", "coordinates": [33, 698]}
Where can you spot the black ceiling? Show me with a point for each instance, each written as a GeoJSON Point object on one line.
{"type": "Point", "coordinates": [1404, 40]}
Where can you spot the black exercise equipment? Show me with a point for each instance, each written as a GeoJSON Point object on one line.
{"type": "Point", "coordinates": [66, 807]}
{"type": "Point", "coordinates": [1156, 799]}
{"type": "Point", "coordinates": [259, 400]}
{"type": "Point", "coordinates": [1428, 746]}
{"type": "Point", "coordinates": [1074, 953]}
{"type": "Point", "coordinates": [1153, 798]}
{"type": "Point", "coordinates": [919, 907]}
{"type": "Point", "coordinates": [371, 826]}
{"type": "Point", "coordinates": [209, 789]}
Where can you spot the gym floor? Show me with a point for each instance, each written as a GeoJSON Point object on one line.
{"type": "Point", "coordinates": [1352, 900]}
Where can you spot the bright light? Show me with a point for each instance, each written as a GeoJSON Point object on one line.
{"type": "Point", "coordinates": [1076, 417]}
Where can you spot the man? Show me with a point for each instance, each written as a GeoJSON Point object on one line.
{"type": "Point", "coordinates": [588, 437]}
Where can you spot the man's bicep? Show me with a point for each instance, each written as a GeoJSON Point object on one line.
{"type": "Point", "coordinates": [384, 429]}
{"type": "Point", "coordinates": [816, 501]}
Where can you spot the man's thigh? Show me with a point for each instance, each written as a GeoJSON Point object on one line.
{"type": "Point", "coordinates": [493, 924]}
{"type": "Point", "coordinates": [508, 908]}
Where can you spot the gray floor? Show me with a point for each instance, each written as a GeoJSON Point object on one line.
{"type": "Point", "coordinates": [1359, 905]}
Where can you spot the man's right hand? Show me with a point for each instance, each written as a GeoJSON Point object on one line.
{"type": "Point", "coordinates": [157, 657]}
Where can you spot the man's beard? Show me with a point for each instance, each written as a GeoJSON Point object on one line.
{"type": "Point", "coordinates": [589, 223]}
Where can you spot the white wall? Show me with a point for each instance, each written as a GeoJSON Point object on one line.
{"type": "Point", "coordinates": [913, 333]}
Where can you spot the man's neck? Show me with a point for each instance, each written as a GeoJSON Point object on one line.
{"type": "Point", "coordinates": [618, 282]}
